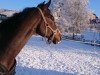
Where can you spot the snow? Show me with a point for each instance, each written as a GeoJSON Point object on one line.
{"type": "Point", "coordinates": [66, 58]}
{"type": "Point", "coordinates": [91, 35]}
{"type": "Point", "coordinates": [7, 12]}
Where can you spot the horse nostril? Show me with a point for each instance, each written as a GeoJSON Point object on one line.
{"type": "Point", "coordinates": [47, 24]}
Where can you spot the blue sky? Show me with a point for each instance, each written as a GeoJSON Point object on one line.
{"type": "Point", "coordinates": [95, 6]}
{"type": "Point", "coordinates": [20, 4]}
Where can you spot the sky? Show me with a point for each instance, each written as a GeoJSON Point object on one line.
{"type": "Point", "coordinates": [95, 6]}
{"type": "Point", "coordinates": [18, 4]}
{"type": "Point", "coordinates": [21, 4]}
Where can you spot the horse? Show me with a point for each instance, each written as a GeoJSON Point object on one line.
{"type": "Point", "coordinates": [18, 29]}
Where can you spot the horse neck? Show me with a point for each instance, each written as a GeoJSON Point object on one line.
{"type": "Point", "coordinates": [18, 40]}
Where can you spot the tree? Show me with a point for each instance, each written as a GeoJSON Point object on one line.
{"type": "Point", "coordinates": [71, 15]}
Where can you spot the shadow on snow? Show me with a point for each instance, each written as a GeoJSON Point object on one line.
{"type": "Point", "coordinates": [31, 71]}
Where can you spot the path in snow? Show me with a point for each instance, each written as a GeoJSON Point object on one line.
{"type": "Point", "coordinates": [66, 58]}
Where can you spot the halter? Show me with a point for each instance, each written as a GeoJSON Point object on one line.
{"type": "Point", "coordinates": [47, 25]}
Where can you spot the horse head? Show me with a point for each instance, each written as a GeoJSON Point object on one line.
{"type": "Point", "coordinates": [47, 27]}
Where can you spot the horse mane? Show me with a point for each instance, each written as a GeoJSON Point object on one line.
{"type": "Point", "coordinates": [11, 24]}
{"type": "Point", "coordinates": [22, 14]}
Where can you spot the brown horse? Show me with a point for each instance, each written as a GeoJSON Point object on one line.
{"type": "Point", "coordinates": [17, 30]}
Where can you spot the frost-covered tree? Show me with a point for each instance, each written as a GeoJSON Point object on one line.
{"type": "Point", "coordinates": [71, 15]}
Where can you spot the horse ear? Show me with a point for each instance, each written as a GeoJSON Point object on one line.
{"type": "Point", "coordinates": [41, 4]}
{"type": "Point", "coordinates": [48, 4]}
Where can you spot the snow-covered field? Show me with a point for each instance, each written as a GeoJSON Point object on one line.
{"type": "Point", "coordinates": [66, 58]}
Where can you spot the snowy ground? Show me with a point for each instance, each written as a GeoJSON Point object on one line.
{"type": "Point", "coordinates": [66, 58]}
